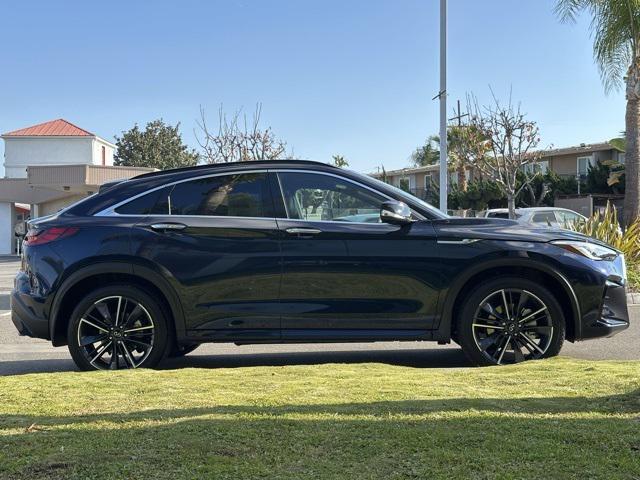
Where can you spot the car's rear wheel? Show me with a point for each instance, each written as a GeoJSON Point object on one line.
{"type": "Point", "coordinates": [510, 320]}
{"type": "Point", "coordinates": [117, 327]}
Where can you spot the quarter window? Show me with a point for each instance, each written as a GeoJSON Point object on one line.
{"type": "Point", "coordinates": [317, 197]}
{"type": "Point", "coordinates": [146, 204]}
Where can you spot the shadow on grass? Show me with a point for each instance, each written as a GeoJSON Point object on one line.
{"type": "Point", "coordinates": [627, 403]}
{"type": "Point", "coordinates": [428, 358]}
{"type": "Point", "coordinates": [371, 440]}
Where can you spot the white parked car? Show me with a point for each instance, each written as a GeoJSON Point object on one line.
{"type": "Point", "coordinates": [546, 216]}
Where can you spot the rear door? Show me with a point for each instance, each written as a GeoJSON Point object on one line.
{"type": "Point", "coordinates": [216, 239]}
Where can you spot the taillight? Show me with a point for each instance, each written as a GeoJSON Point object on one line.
{"type": "Point", "coordinates": [35, 237]}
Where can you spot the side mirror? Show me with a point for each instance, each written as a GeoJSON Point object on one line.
{"type": "Point", "coordinates": [395, 213]}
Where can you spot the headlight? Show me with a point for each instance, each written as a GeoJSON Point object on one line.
{"type": "Point", "coordinates": [589, 250]}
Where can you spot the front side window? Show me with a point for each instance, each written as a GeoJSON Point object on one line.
{"type": "Point", "coordinates": [317, 197]}
{"type": "Point", "coordinates": [241, 195]}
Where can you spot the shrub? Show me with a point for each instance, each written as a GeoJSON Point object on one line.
{"type": "Point", "coordinates": [605, 227]}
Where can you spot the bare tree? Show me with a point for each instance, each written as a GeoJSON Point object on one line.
{"type": "Point", "coordinates": [511, 142]}
{"type": "Point", "coordinates": [236, 142]}
{"type": "Point", "coordinates": [468, 147]}
{"type": "Point", "coordinates": [536, 199]}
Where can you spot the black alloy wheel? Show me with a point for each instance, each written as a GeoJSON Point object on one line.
{"type": "Point", "coordinates": [115, 330]}
{"type": "Point", "coordinates": [510, 321]}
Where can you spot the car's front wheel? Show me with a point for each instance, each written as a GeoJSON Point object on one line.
{"type": "Point", "coordinates": [117, 327]}
{"type": "Point", "coordinates": [510, 320]}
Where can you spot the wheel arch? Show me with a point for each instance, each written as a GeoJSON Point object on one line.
{"type": "Point", "coordinates": [547, 275]}
{"type": "Point", "coordinates": [89, 277]}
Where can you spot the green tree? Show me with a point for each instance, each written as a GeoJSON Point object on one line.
{"type": "Point", "coordinates": [157, 146]}
{"type": "Point", "coordinates": [615, 30]}
{"type": "Point", "coordinates": [427, 154]}
{"type": "Point", "coordinates": [477, 196]}
{"type": "Point", "coordinates": [468, 147]}
{"type": "Point", "coordinates": [340, 161]}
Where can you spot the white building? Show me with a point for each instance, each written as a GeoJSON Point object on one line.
{"type": "Point", "coordinates": [53, 143]}
{"type": "Point", "coordinates": [50, 166]}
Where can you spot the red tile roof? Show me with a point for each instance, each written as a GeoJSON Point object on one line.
{"type": "Point", "coordinates": [54, 128]}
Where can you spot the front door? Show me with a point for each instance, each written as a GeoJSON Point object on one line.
{"type": "Point", "coordinates": [346, 274]}
{"type": "Point", "coordinates": [216, 239]}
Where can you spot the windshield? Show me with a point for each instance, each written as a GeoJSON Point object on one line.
{"type": "Point", "coordinates": [408, 197]}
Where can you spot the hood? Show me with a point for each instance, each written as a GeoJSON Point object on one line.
{"type": "Point", "coordinates": [501, 229]}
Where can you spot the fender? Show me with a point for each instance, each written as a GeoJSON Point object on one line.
{"type": "Point", "coordinates": [444, 329]}
{"type": "Point", "coordinates": [111, 267]}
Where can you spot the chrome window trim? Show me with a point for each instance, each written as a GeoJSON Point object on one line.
{"type": "Point", "coordinates": [110, 211]}
{"type": "Point", "coordinates": [346, 179]}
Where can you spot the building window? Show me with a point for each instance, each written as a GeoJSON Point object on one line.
{"type": "Point", "coordinates": [104, 155]}
{"type": "Point", "coordinates": [621, 158]}
{"type": "Point", "coordinates": [538, 167]}
{"type": "Point", "coordinates": [543, 166]}
{"type": "Point", "coordinates": [583, 165]}
{"type": "Point", "coordinates": [428, 179]}
{"type": "Point", "coordinates": [404, 184]}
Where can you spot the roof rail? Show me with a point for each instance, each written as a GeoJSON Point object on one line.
{"type": "Point", "coordinates": [214, 166]}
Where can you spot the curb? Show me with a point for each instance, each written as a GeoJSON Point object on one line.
{"type": "Point", "coordinates": [633, 298]}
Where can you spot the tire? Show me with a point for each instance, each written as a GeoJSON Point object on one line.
{"type": "Point", "coordinates": [117, 318]}
{"type": "Point", "coordinates": [182, 350]}
{"type": "Point", "coordinates": [531, 327]}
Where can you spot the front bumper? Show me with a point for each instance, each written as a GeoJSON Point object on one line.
{"type": "Point", "coordinates": [26, 310]}
{"type": "Point", "coordinates": [613, 315]}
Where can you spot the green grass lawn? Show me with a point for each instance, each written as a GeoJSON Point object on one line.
{"type": "Point", "coordinates": [554, 419]}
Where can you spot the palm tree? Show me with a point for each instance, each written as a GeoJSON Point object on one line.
{"type": "Point", "coordinates": [427, 154]}
{"type": "Point", "coordinates": [615, 28]}
{"type": "Point", "coordinates": [340, 161]}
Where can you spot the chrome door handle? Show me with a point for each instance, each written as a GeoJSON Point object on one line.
{"type": "Point", "coordinates": [168, 226]}
{"type": "Point", "coordinates": [303, 231]}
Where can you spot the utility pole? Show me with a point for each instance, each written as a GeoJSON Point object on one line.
{"type": "Point", "coordinates": [443, 106]}
{"type": "Point", "coordinates": [459, 115]}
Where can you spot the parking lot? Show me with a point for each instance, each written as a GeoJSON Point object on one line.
{"type": "Point", "coordinates": [26, 355]}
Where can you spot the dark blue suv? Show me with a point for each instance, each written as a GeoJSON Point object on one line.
{"type": "Point", "coordinates": [296, 251]}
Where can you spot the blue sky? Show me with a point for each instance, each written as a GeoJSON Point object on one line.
{"type": "Point", "coordinates": [349, 77]}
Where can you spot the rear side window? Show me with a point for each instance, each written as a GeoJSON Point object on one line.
{"type": "Point", "coordinates": [241, 195]}
{"type": "Point", "coordinates": [544, 217]}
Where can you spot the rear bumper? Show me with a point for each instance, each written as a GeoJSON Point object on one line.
{"type": "Point", "coordinates": [26, 310]}
{"type": "Point", "coordinates": [613, 316]}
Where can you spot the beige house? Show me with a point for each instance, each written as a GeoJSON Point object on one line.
{"type": "Point", "coordinates": [566, 162]}
{"type": "Point", "coordinates": [575, 161]}
{"type": "Point", "coordinates": [420, 181]}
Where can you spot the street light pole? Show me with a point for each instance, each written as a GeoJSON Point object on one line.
{"type": "Point", "coordinates": [443, 106]}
